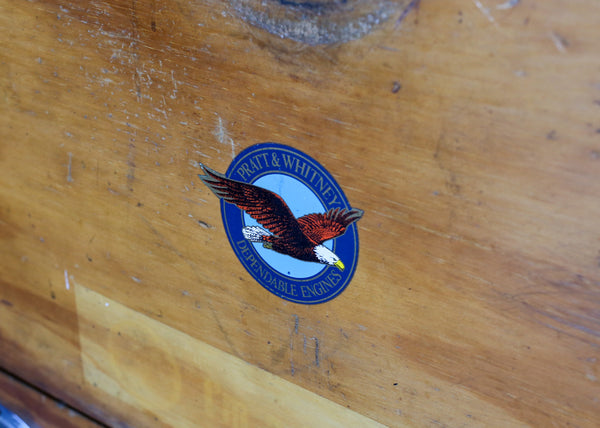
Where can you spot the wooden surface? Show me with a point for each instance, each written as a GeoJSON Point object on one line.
{"type": "Point", "coordinates": [468, 132]}
{"type": "Point", "coordinates": [36, 408]}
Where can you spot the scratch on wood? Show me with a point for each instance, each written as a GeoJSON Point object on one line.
{"type": "Point", "coordinates": [204, 224]}
{"type": "Point", "coordinates": [69, 176]}
{"type": "Point", "coordinates": [317, 358]}
{"type": "Point", "coordinates": [162, 238]}
{"type": "Point", "coordinates": [223, 137]}
{"type": "Point", "coordinates": [131, 160]}
{"type": "Point", "coordinates": [212, 309]}
{"type": "Point", "coordinates": [296, 325]}
{"type": "Point", "coordinates": [202, 154]}
{"type": "Point", "coordinates": [559, 41]}
{"type": "Point", "coordinates": [292, 370]}
{"type": "Point", "coordinates": [339, 122]}
{"type": "Point", "coordinates": [508, 5]}
{"type": "Point", "coordinates": [134, 50]}
{"type": "Point", "coordinates": [199, 201]}
{"type": "Point", "coordinates": [67, 285]}
{"type": "Point", "coordinates": [174, 94]}
{"type": "Point", "coordinates": [414, 4]}
{"type": "Point", "coordinates": [563, 322]}
{"type": "Point", "coordinates": [485, 11]}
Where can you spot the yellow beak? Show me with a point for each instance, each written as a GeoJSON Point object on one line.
{"type": "Point", "coordinates": [339, 265]}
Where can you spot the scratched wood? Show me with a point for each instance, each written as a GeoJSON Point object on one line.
{"type": "Point", "coordinates": [468, 131]}
{"type": "Point", "coordinates": [36, 408]}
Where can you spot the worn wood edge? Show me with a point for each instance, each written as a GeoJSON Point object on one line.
{"type": "Point", "coordinates": [191, 374]}
{"type": "Point", "coordinates": [37, 408]}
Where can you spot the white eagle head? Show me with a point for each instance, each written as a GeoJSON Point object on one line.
{"type": "Point", "coordinates": [328, 257]}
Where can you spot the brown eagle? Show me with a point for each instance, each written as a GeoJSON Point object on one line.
{"type": "Point", "coordinates": [301, 238]}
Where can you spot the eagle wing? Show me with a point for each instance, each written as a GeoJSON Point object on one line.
{"type": "Point", "coordinates": [264, 206]}
{"type": "Point", "coordinates": [321, 227]}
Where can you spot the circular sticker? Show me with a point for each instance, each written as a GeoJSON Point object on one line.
{"type": "Point", "coordinates": [288, 222]}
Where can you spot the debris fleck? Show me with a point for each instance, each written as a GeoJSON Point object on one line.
{"type": "Point", "coordinates": [396, 87]}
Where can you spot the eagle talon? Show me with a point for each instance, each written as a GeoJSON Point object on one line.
{"type": "Point", "coordinates": [268, 245]}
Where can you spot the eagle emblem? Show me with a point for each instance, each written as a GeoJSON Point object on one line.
{"type": "Point", "coordinates": [301, 238]}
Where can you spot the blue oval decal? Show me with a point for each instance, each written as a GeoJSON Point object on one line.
{"type": "Point", "coordinates": [288, 222]}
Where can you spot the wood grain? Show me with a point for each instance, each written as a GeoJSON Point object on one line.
{"type": "Point", "coordinates": [225, 389]}
{"type": "Point", "coordinates": [469, 134]}
{"type": "Point", "coordinates": [37, 409]}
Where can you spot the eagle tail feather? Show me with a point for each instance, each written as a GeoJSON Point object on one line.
{"type": "Point", "coordinates": [344, 216]}
{"type": "Point", "coordinates": [255, 233]}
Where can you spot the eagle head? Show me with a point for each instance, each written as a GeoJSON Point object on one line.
{"type": "Point", "coordinates": [328, 257]}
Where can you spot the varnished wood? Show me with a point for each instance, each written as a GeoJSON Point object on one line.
{"type": "Point", "coordinates": [469, 134]}
{"type": "Point", "coordinates": [36, 408]}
